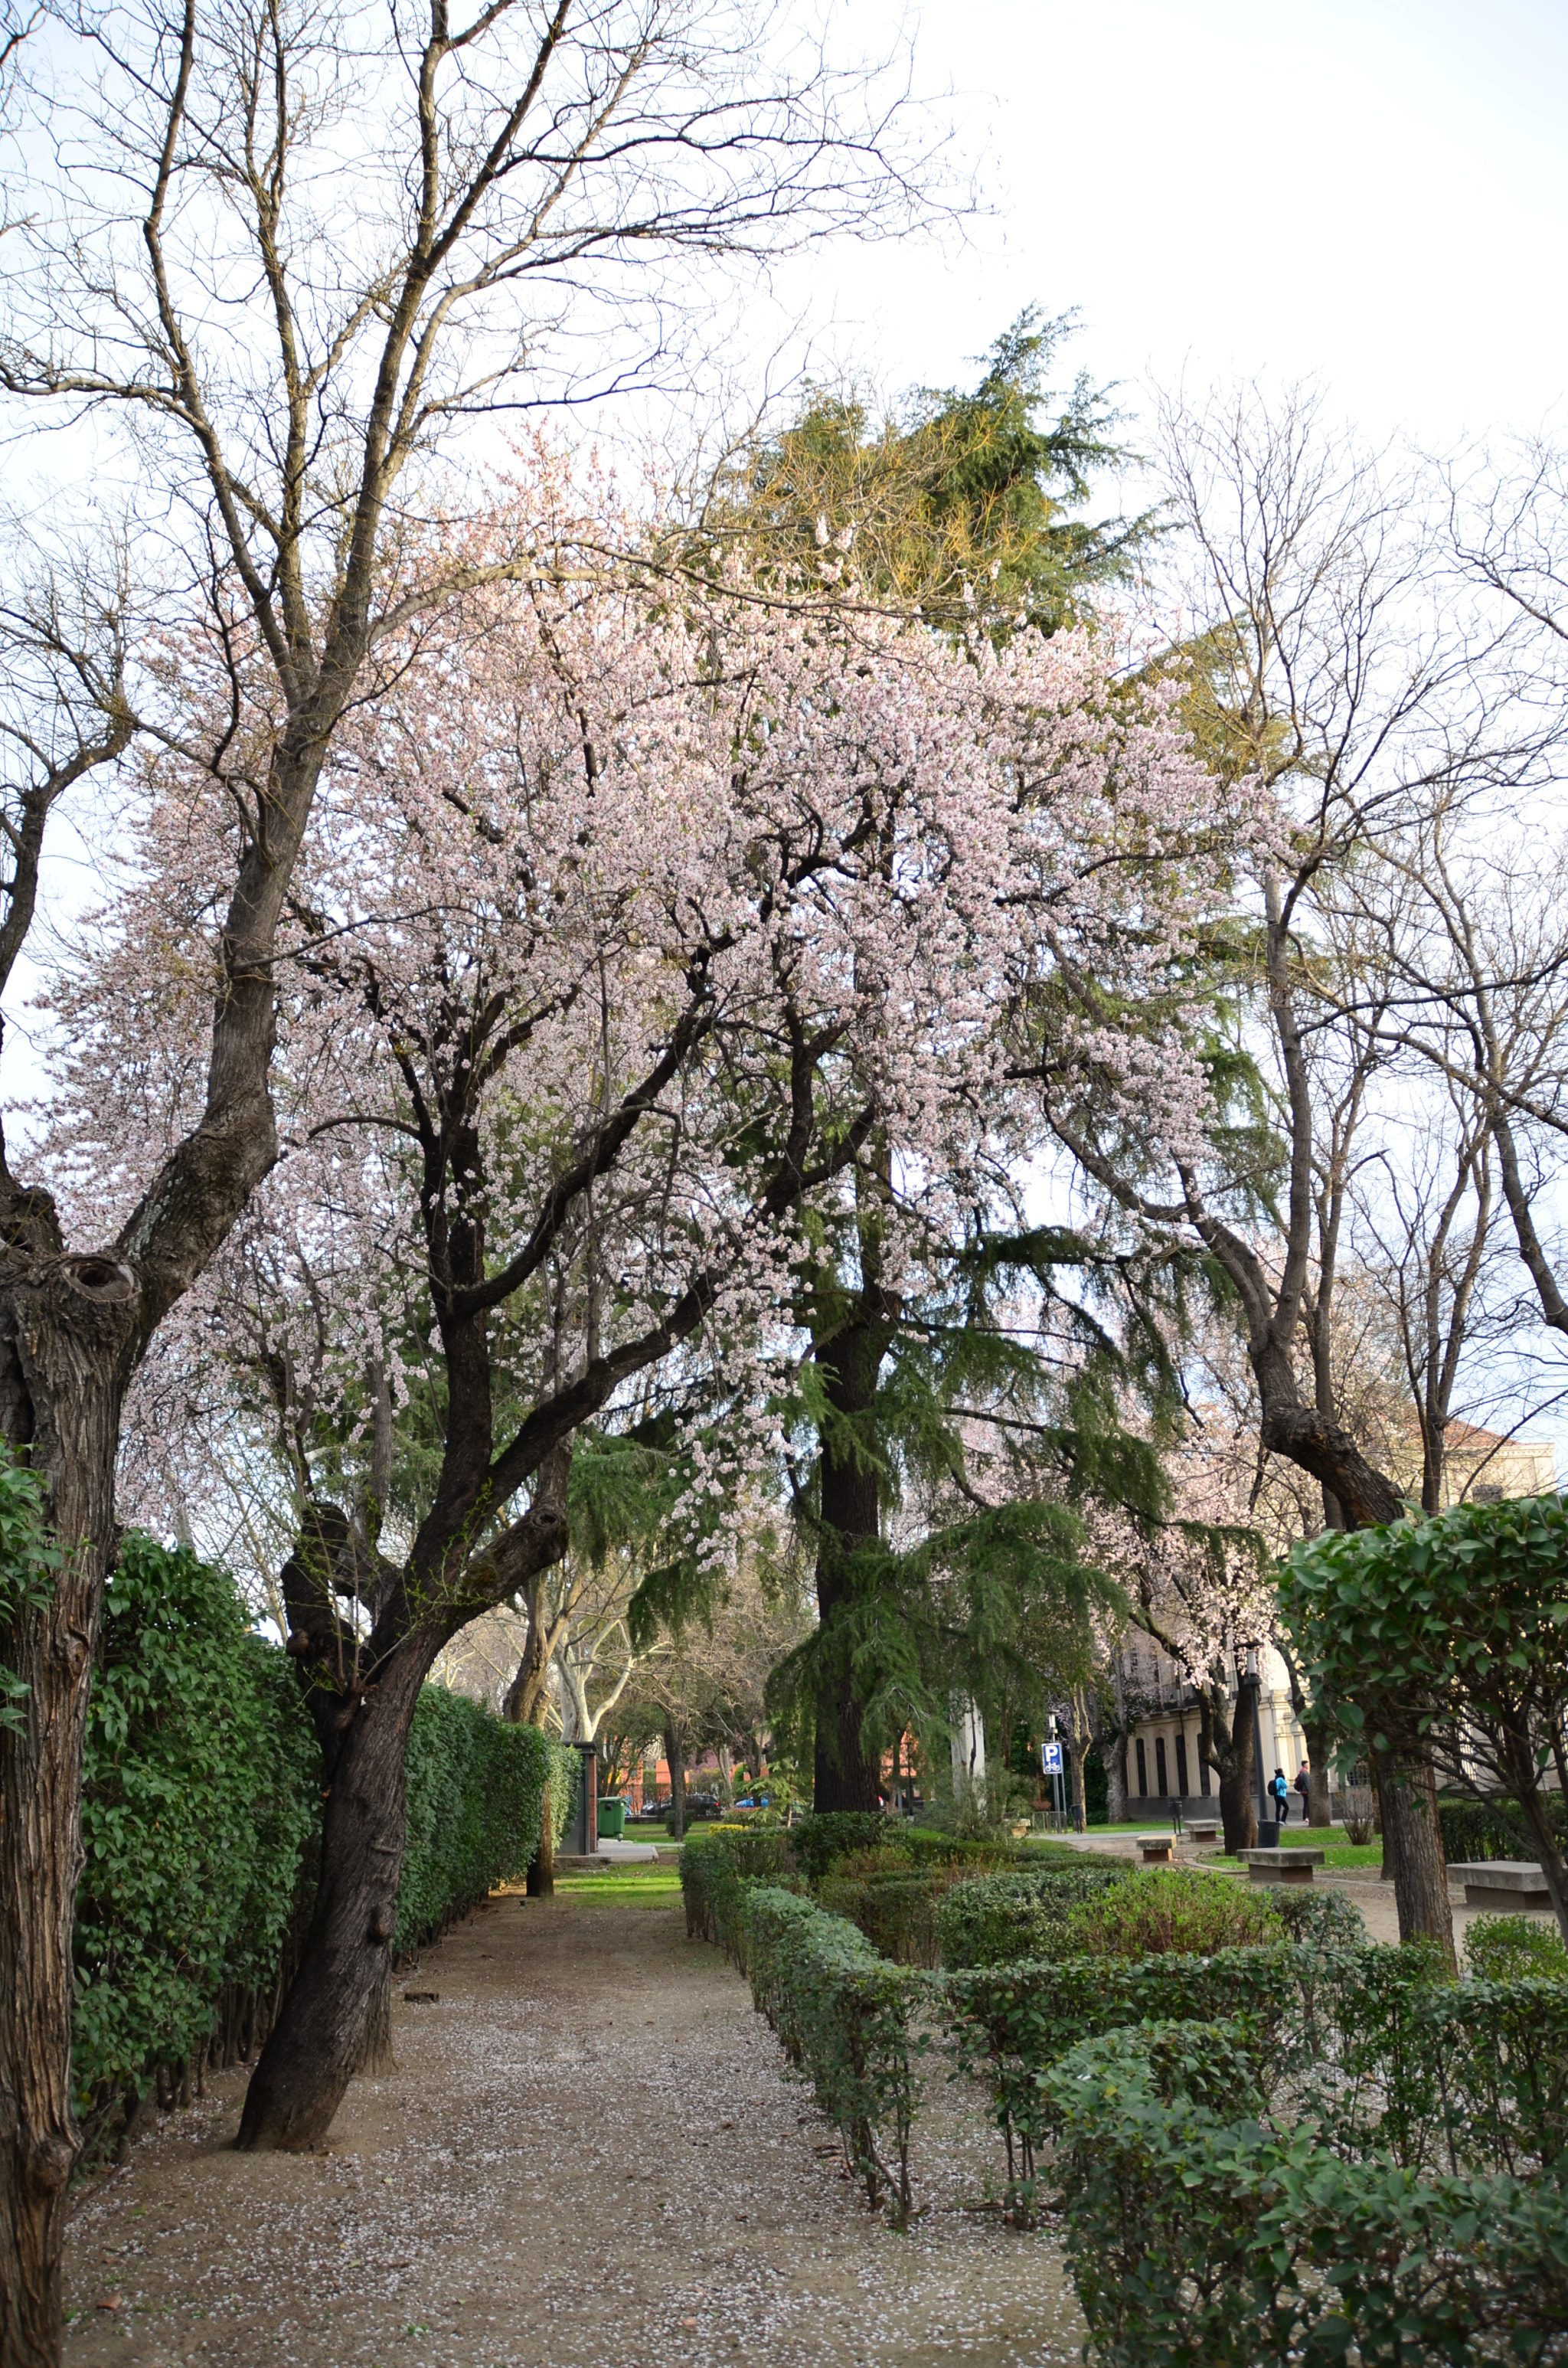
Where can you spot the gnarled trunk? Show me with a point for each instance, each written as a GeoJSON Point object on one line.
{"type": "Point", "coordinates": [317, 2044]}
{"type": "Point", "coordinates": [1113, 1760]}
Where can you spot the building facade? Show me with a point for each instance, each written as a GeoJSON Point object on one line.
{"type": "Point", "coordinates": [1164, 1766]}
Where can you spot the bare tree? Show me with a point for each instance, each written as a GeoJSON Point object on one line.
{"type": "Point", "coordinates": [1332, 665]}
{"type": "Point", "coordinates": [290, 255]}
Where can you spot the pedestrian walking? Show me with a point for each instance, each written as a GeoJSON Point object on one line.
{"type": "Point", "coordinates": [1304, 1786]}
{"type": "Point", "coordinates": [1281, 1792]}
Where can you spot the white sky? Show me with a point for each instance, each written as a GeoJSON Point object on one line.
{"type": "Point", "coordinates": [1373, 192]}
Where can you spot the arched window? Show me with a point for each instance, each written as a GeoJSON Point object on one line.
{"type": "Point", "coordinates": [1162, 1784]}
{"type": "Point", "coordinates": [1143, 1773]}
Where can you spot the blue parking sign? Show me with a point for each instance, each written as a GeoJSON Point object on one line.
{"type": "Point", "coordinates": [1050, 1758]}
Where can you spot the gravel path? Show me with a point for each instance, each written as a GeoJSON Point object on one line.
{"type": "Point", "coordinates": [587, 2158]}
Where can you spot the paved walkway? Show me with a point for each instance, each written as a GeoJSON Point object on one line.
{"type": "Point", "coordinates": [586, 2158]}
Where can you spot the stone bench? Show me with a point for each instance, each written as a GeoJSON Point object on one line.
{"type": "Point", "coordinates": [1281, 1865]}
{"type": "Point", "coordinates": [1504, 1884]}
{"type": "Point", "coordinates": [1158, 1849]}
{"type": "Point", "coordinates": [1203, 1833]}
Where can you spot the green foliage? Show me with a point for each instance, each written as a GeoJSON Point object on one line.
{"type": "Point", "coordinates": [1512, 1948]}
{"type": "Point", "coordinates": [1491, 1829]}
{"type": "Point", "coordinates": [29, 1561]}
{"type": "Point", "coordinates": [846, 2019]}
{"type": "Point", "coordinates": [201, 1809]}
{"type": "Point", "coordinates": [1009, 2024]}
{"type": "Point", "coordinates": [714, 1869]}
{"type": "Point", "coordinates": [1204, 2231]}
{"type": "Point", "coordinates": [961, 505]}
{"type": "Point", "coordinates": [895, 1906]}
{"type": "Point", "coordinates": [475, 1786]}
{"type": "Point", "coordinates": [1328, 1919]}
{"type": "Point", "coordinates": [199, 1800]}
{"type": "Point", "coordinates": [1439, 1629]}
{"type": "Point", "coordinates": [817, 1841]}
{"type": "Point", "coordinates": [1173, 1910]}
{"type": "Point", "coordinates": [999, 1920]}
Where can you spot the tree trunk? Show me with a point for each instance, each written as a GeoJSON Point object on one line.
{"type": "Point", "coordinates": [1413, 1841]}
{"type": "Point", "coordinates": [1319, 1811]}
{"type": "Point", "coordinates": [1113, 1758]}
{"type": "Point", "coordinates": [542, 1866]}
{"type": "Point", "coordinates": [314, 2046]}
{"type": "Point", "coordinates": [845, 1774]}
{"type": "Point", "coordinates": [675, 1755]}
{"type": "Point", "coordinates": [1077, 1752]}
{"type": "Point", "coordinates": [65, 1326]}
{"type": "Point", "coordinates": [1224, 1741]}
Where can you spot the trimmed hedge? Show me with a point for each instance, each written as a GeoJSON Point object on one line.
{"type": "Point", "coordinates": [1009, 2024]}
{"type": "Point", "coordinates": [475, 1789]}
{"type": "Point", "coordinates": [846, 2019]}
{"type": "Point", "coordinates": [999, 1920]}
{"type": "Point", "coordinates": [1495, 1829]}
{"type": "Point", "coordinates": [1510, 1948]}
{"type": "Point", "coordinates": [1203, 2233]}
{"type": "Point", "coordinates": [200, 1814]}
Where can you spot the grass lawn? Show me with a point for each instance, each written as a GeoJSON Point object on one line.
{"type": "Point", "coordinates": [640, 1884]}
{"type": "Point", "coordinates": [1335, 1853]}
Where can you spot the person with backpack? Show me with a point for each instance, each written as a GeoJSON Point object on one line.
{"type": "Point", "coordinates": [1304, 1787]}
{"type": "Point", "coordinates": [1281, 1792]}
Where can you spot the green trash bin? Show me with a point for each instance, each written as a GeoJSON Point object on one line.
{"type": "Point", "coordinates": [612, 1820]}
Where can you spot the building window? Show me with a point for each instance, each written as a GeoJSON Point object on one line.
{"type": "Point", "coordinates": [1181, 1764]}
{"type": "Point", "coordinates": [1162, 1784]}
{"type": "Point", "coordinates": [1143, 1773]}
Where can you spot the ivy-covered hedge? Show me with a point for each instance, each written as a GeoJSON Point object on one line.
{"type": "Point", "coordinates": [201, 1811]}
{"type": "Point", "coordinates": [200, 1804]}
{"type": "Point", "coordinates": [475, 1790]}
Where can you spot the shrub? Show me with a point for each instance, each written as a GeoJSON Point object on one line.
{"type": "Point", "coordinates": [1201, 2233]}
{"type": "Point", "coordinates": [898, 1912]}
{"type": "Point", "coordinates": [200, 1801]}
{"type": "Point", "coordinates": [476, 1788]}
{"type": "Point", "coordinates": [1328, 1919]}
{"type": "Point", "coordinates": [1438, 2074]}
{"type": "Point", "coordinates": [1507, 1948]}
{"type": "Point", "coordinates": [29, 1561]}
{"type": "Point", "coordinates": [817, 1841]}
{"type": "Point", "coordinates": [714, 1869]}
{"type": "Point", "coordinates": [996, 1920]}
{"type": "Point", "coordinates": [1359, 1811]}
{"type": "Point", "coordinates": [1173, 1911]}
{"type": "Point", "coordinates": [1483, 1829]}
{"type": "Point", "coordinates": [1009, 2024]}
{"type": "Point", "coordinates": [846, 2019]}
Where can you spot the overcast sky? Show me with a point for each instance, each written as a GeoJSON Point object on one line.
{"type": "Point", "coordinates": [1371, 191]}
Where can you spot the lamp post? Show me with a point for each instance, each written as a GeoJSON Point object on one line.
{"type": "Point", "coordinates": [587, 1804]}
